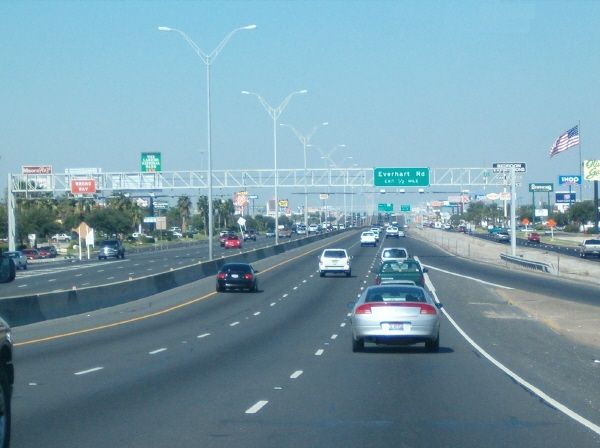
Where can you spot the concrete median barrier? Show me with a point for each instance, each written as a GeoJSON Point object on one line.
{"type": "Point", "coordinates": [24, 310]}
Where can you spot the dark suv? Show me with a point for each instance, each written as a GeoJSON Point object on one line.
{"type": "Point", "coordinates": [250, 234]}
{"type": "Point", "coordinates": [111, 248]}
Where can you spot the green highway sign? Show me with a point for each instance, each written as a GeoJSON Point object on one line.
{"type": "Point", "coordinates": [405, 208]}
{"type": "Point", "coordinates": [541, 187]}
{"type": "Point", "coordinates": [401, 177]}
{"type": "Point", "coordinates": [151, 162]}
{"type": "Point", "coordinates": [385, 207]}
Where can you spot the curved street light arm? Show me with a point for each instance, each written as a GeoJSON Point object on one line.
{"type": "Point", "coordinates": [279, 110]}
{"type": "Point", "coordinates": [193, 44]}
{"type": "Point", "coordinates": [213, 55]}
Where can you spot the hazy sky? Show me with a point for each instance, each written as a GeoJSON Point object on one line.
{"type": "Point", "coordinates": [423, 83]}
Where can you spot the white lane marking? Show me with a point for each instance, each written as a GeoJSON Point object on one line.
{"type": "Point", "coordinates": [257, 313]}
{"type": "Point", "coordinates": [364, 281]}
{"type": "Point", "coordinates": [136, 264]}
{"type": "Point", "coordinates": [131, 273]}
{"type": "Point", "coordinates": [200, 336]}
{"type": "Point", "coordinates": [78, 275]}
{"type": "Point", "coordinates": [85, 284]}
{"type": "Point", "coordinates": [548, 399]}
{"type": "Point", "coordinates": [100, 270]}
{"type": "Point", "coordinates": [284, 296]}
{"type": "Point", "coordinates": [21, 286]}
{"type": "Point", "coordinates": [273, 304]}
{"type": "Point", "coordinates": [109, 278]}
{"type": "Point", "coordinates": [233, 324]}
{"type": "Point", "coordinates": [51, 280]}
{"type": "Point", "coordinates": [303, 281]}
{"type": "Point", "coordinates": [467, 277]}
{"type": "Point", "coordinates": [334, 336]}
{"type": "Point", "coordinates": [154, 352]}
{"type": "Point", "coordinates": [256, 407]}
{"type": "Point", "coordinates": [295, 288]}
{"type": "Point", "coordinates": [349, 314]}
{"type": "Point", "coordinates": [296, 374]}
{"type": "Point", "coordinates": [83, 372]}
{"type": "Point", "coordinates": [343, 324]}
{"type": "Point", "coordinates": [311, 275]}
{"type": "Point", "coordinates": [319, 352]}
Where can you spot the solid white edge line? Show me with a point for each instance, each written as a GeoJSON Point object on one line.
{"type": "Point", "coordinates": [541, 394]}
{"type": "Point", "coordinates": [256, 407]}
{"type": "Point", "coordinates": [467, 277]}
{"type": "Point", "coordinates": [154, 352]}
{"type": "Point", "coordinates": [296, 374]}
{"type": "Point", "coordinates": [83, 372]}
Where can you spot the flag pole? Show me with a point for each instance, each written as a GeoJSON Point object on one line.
{"type": "Point", "coordinates": [580, 163]}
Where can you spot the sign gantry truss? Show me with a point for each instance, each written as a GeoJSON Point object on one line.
{"type": "Point", "coordinates": [244, 179]}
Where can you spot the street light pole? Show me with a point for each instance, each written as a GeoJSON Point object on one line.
{"type": "Point", "coordinates": [305, 140]}
{"type": "Point", "coordinates": [208, 60]}
{"type": "Point", "coordinates": [275, 113]}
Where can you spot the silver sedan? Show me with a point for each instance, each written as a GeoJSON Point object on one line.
{"type": "Point", "coordinates": [396, 315]}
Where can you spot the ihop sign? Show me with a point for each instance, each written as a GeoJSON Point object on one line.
{"type": "Point", "coordinates": [569, 180]}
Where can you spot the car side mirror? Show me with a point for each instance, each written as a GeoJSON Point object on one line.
{"type": "Point", "coordinates": [425, 269]}
{"type": "Point", "coordinates": [438, 305]}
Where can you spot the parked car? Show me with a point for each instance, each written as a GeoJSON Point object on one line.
{"type": "Point", "coordinates": [7, 377]}
{"type": "Point", "coordinates": [334, 261]}
{"type": "Point", "coordinates": [19, 259]}
{"type": "Point", "coordinates": [395, 315]}
{"type": "Point", "coordinates": [237, 276]}
{"type": "Point", "coordinates": [61, 237]}
{"type": "Point", "coordinates": [285, 233]}
{"type": "Point", "coordinates": [51, 250]}
{"type": "Point", "coordinates": [533, 237]}
{"type": "Point", "coordinates": [232, 242]}
{"type": "Point", "coordinates": [368, 238]}
{"type": "Point", "coordinates": [111, 248]}
{"type": "Point", "coordinates": [393, 271]}
{"type": "Point", "coordinates": [270, 233]}
{"type": "Point", "coordinates": [31, 254]}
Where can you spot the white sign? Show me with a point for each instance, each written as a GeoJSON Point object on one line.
{"type": "Point", "coordinates": [541, 212]}
{"type": "Point", "coordinates": [241, 221]}
{"type": "Point", "coordinates": [501, 167]}
{"type": "Point", "coordinates": [150, 219]}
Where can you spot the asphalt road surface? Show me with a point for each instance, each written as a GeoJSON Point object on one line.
{"type": "Point", "coordinates": [193, 368]}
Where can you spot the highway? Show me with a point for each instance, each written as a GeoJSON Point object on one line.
{"type": "Point", "coordinates": [64, 275]}
{"type": "Point", "coordinates": [191, 367]}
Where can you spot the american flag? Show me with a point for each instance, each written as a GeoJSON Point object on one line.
{"type": "Point", "coordinates": [565, 141]}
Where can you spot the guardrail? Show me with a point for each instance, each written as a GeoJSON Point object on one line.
{"type": "Point", "coordinates": [534, 265]}
{"type": "Point", "coordinates": [28, 309]}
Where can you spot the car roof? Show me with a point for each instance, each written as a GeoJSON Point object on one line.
{"type": "Point", "coordinates": [236, 266]}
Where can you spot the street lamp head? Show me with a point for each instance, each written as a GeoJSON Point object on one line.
{"type": "Point", "coordinates": [164, 28]}
{"type": "Point", "coordinates": [245, 92]}
{"type": "Point", "coordinates": [302, 91]}
{"type": "Point", "coordinates": [249, 27]}
{"type": "Point", "coordinates": [325, 123]}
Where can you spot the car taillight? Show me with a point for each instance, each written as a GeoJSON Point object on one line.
{"type": "Point", "coordinates": [427, 309]}
{"type": "Point", "coordinates": [248, 276]}
{"type": "Point", "coordinates": [363, 309]}
{"type": "Point", "coordinates": [221, 275]}
{"type": "Point", "coordinates": [378, 280]}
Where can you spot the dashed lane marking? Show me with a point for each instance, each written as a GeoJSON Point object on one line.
{"type": "Point", "coordinates": [85, 372]}
{"type": "Point", "coordinates": [256, 407]}
{"type": "Point", "coordinates": [296, 374]}
{"type": "Point", "coordinates": [158, 350]}
{"type": "Point", "coordinates": [319, 352]}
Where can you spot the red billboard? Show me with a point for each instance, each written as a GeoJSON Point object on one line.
{"type": "Point", "coordinates": [83, 186]}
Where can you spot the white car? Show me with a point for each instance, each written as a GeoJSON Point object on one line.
{"type": "Point", "coordinates": [394, 254]}
{"type": "Point", "coordinates": [368, 238]}
{"type": "Point", "coordinates": [392, 232]}
{"type": "Point", "coordinates": [336, 261]}
{"type": "Point", "coordinates": [313, 228]}
{"type": "Point", "coordinates": [61, 237]}
{"type": "Point", "coordinates": [376, 232]}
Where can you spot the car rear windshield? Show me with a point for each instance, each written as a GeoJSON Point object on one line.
{"type": "Point", "coordinates": [395, 253]}
{"type": "Point", "coordinates": [592, 242]}
{"type": "Point", "coordinates": [400, 267]}
{"type": "Point", "coordinates": [236, 267]}
{"type": "Point", "coordinates": [334, 254]}
{"type": "Point", "coordinates": [110, 243]}
{"type": "Point", "coordinates": [396, 294]}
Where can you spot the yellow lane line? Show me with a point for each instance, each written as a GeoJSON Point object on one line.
{"type": "Point", "coordinates": [156, 313]}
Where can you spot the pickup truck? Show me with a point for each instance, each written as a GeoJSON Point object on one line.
{"type": "Point", "coordinates": [589, 247]}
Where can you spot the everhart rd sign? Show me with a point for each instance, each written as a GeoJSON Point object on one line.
{"type": "Point", "coordinates": [401, 177]}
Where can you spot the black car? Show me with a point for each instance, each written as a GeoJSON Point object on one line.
{"type": "Point", "coordinates": [6, 383]}
{"type": "Point", "coordinates": [237, 276]}
{"type": "Point", "coordinates": [111, 248]}
{"type": "Point", "coordinates": [250, 234]}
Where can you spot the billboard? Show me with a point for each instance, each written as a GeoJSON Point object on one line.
{"type": "Point", "coordinates": [591, 170]}
{"type": "Point", "coordinates": [83, 186]}
{"type": "Point", "coordinates": [565, 197]}
{"type": "Point", "coordinates": [36, 169]}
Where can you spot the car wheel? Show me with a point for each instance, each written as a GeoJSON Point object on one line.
{"type": "Point", "coordinates": [349, 274]}
{"type": "Point", "coordinates": [433, 346]}
{"type": "Point", "coordinates": [4, 410]}
{"type": "Point", "coordinates": [219, 289]}
{"type": "Point", "coordinates": [321, 274]}
{"type": "Point", "coordinates": [255, 288]}
{"type": "Point", "coordinates": [358, 345]}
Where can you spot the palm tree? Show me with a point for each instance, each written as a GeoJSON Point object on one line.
{"type": "Point", "coordinates": [202, 205]}
{"type": "Point", "coordinates": [184, 206]}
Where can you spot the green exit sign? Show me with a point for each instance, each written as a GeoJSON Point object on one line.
{"type": "Point", "coordinates": [151, 162]}
{"type": "Point", "coordinates": [405, 208]}
{"type": "Point", "coordinates": [401, 177]}
{"type": "Point", "coordinates": [385, 207]}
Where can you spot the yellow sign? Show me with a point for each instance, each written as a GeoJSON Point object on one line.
{"type": "Point", "coordinates": [283, 202]}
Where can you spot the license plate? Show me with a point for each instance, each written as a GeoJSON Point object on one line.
{"type": "Point", "coordinates": [398, 326]}
{"type": "Point", "coordinates": [235, 276]}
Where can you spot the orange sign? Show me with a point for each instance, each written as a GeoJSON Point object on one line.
{"type": "Point", "coordinates": [83, 186]}
{"type": "Point", "coordinates": [525, 221]}
{"type": "Point", "coordinates": [551, 223]}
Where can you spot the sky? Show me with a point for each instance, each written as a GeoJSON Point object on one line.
{"type": "Point", "coordinates": [401, 83]}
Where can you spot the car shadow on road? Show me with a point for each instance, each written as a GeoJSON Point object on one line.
{"type": "Point", "coordinates": [408, 350]}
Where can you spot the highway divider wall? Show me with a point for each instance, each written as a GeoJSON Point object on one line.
{"type": "Point", "coordinates": [24, 310]}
